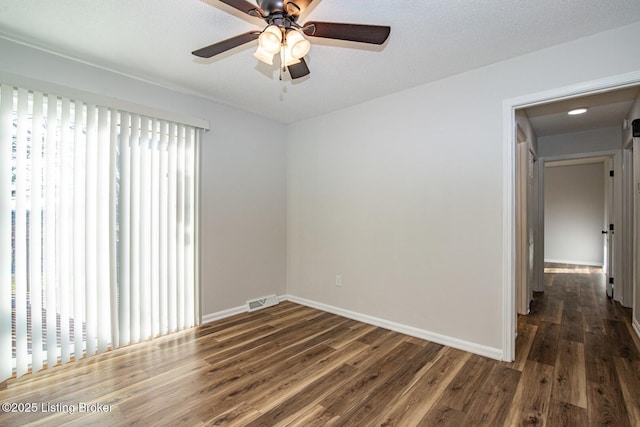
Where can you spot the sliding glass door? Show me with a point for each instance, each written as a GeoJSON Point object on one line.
{"type": "Point", "coordinates": [97, 229]}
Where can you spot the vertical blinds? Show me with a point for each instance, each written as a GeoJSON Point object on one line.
{"type": "Point", "coordinates": [97, 229]}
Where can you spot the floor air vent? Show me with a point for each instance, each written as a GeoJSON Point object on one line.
{"type": "Point", "coordinates": [259, 303]}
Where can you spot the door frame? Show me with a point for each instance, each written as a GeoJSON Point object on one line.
{"type": "Point", "coordinates": [612, 159]}
{"type": "Point", "coordinates": [509, 143]}
{"type": "Point", "coordinates": [635, 184]}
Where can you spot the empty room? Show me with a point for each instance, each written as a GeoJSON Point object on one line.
{"type": "Point", "coordinates": [313, 212]}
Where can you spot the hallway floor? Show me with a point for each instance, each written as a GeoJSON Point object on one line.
{"type": "Point", "coordinates": [585, 342]}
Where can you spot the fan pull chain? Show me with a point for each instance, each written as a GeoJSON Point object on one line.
{"type": "Point", "coordinates": [282, 60]}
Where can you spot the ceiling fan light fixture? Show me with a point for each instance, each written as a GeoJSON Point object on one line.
{"type": "Point", "coordinates": [284, 35]}
{"type": "Point", "coordinates": [287, 58]}
{"type": "Point", "coordinates": [298, 45]}
{"type": "Point", "coordinates": [263, 55]}
{"type": "Point", "coordinates": [271, 39]}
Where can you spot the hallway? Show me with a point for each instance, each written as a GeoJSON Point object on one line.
{"type": "Point", "coordinates": [586, 343]}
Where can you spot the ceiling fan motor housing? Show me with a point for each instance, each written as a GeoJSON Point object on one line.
{"type": "Point", "coordinates": [284, 8]}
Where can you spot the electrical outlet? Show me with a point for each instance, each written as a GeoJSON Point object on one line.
{"type": "Point", "coordinates": [338, 280]}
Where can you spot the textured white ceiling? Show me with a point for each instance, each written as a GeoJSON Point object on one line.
{"type": "Point", "coordinates": [430, 39]}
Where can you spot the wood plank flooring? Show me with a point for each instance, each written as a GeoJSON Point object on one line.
{"type": "Point", "coordinates": [577, 364]}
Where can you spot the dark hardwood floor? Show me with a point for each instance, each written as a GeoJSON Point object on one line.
{"type": "Point", "coordinates": [577, 364]}
{"type": "Point", "coordinates": [587, 346]}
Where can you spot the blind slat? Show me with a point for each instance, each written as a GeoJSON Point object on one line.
{"type": "Point", "coordinates": [91, 232]}
{"type": "Point", "coordinates": [20, 248]}
{"type": "Point", "coordinates": [50, 232]}
{"type": "Point", "coordinates": [154, 224]}
{"type": "Point", "coordinates": [180, 217]}
{"type": "Point", "coordinates": [145, 231]}
{"type": "Point", "coordinates": [172, 294]}
{"type": "Point", "coordinates": [102, 295]}
{"type": "Point", "coordinates": [64, 228]}
{"type": "Point", "coordinates": [35, 244]}
{"type": "Point", "coordinates": [189, 229]}
{"type": "Point", "coordinates": [124, 273]}
{"type": "Point", "coordinates": [113, 224]}
{"type": "Point", "coordinates": [163, 231]}
{"type": "Point", "coordinates": [134, 282]}
{"type": "Point", "coordinates": [79, 194]}
{"type": "Point", "coordinates": [6, 131]}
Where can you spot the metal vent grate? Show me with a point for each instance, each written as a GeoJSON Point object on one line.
{"type": "Point", "coordinates": [259, 303]}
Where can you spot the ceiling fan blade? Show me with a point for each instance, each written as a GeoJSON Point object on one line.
{"type": "Point", "coordinates": [298, 70]}
{"type": "Point", "coordinates": [245, 6]}
{"type": "Point", "coordinates": [373, 34]}
{"type": "Point", "coordinates": [225, 45]}
{"type": "Point", "coordinates": [296, 7]}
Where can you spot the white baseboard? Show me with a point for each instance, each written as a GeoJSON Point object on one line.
{"type": "Point", "coordinates": [574, 262]}
{"type": "Point", "coordinates": [490, 352]}
{"type": "Point", "coordinates": [212, 317]}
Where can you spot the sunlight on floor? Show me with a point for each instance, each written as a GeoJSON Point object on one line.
{"type": "Point", "coordinates": [572, 269]}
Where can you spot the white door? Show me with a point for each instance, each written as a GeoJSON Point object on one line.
{"type": "Point", "coordinates": [531, 221]}
{"type": "Point", "coordinates": [526, 224]}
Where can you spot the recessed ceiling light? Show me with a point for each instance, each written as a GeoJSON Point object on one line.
{"type": "Point", "coordinates": [577, 111]}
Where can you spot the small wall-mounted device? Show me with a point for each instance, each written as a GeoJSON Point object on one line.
{"type": "Point", "coordinates": [636, 128]}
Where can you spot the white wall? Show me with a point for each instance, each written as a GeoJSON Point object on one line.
{"type": "Point", "coordinates": [590, 141]}
{"type": "Point", "coordinates": [243, 177]}
{"type": "Point", "coordinates": [402, 195]}
{"type": "Point", "coordinates": [574, 206]}
{"type": "Point", "coordinates": [634, 113]}
{"type": "Point", "coordinates": [577, 143]}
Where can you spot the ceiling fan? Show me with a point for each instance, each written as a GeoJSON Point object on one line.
{"type": "Point", "coordinates": [283, 35]}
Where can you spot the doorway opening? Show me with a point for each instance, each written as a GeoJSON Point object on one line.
{"type": "Point", "coordinates": [580, 207]}
{"type": "Point", "coordinates": [514, 301]}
